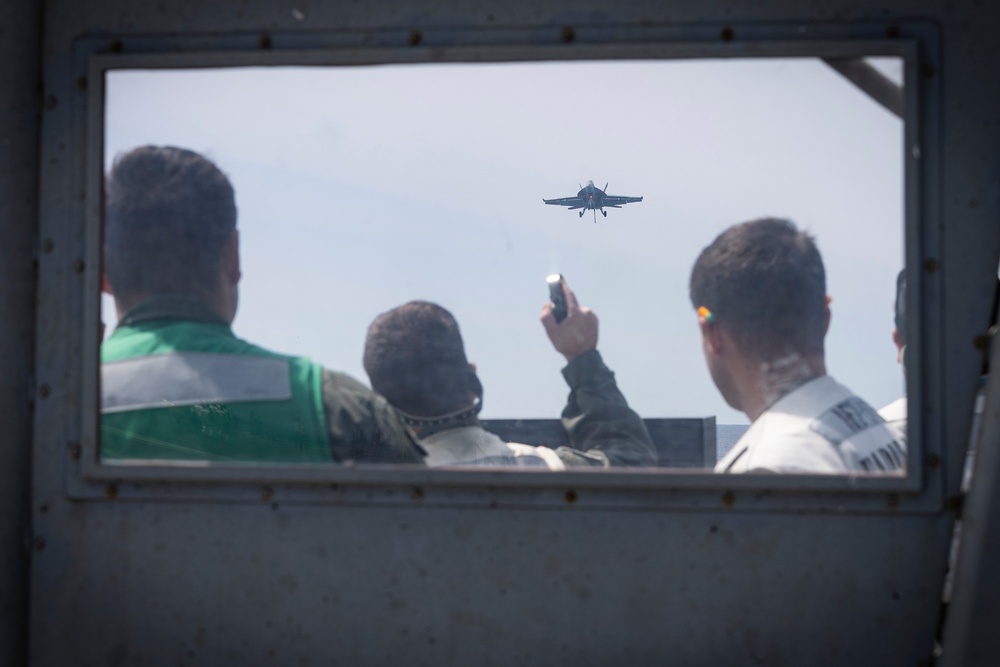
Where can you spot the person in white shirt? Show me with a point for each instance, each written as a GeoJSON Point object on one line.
{"type": "Point", "coordinates": [895, 412]}
{"type": "Point", "coordinates": [760, 293]}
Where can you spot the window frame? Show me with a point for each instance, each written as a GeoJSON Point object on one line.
{"type": "Point", "coordinates": [653, 489]}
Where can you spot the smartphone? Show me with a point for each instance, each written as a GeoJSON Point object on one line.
{"type": "Point", "coordinates": [556, 296]}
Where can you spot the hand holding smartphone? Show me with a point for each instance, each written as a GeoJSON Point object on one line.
{"type": "Point", "coordinates": [571, 328]}
{"type": "Point", "coordinates": [556, 296]}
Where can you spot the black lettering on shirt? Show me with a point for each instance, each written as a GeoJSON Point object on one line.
{"type": "Point", "coordinates": [845, 419]}
{"type": "Point", "coordinates": [888, 458]}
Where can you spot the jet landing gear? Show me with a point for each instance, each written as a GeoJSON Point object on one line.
{"type": "Point", "coordinates": [581, 214]}
{"type": "Point", "coordinates": [604, 213]}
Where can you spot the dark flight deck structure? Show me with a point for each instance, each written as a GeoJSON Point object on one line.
{"type": "Point", "coordinates": [594, 198]}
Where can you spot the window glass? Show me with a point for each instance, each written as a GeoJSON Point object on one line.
{"type": "Point", "coordinates": [359, 189]}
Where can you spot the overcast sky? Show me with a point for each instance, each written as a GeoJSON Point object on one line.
{"type": "Point", "coordinates": [362, 188]}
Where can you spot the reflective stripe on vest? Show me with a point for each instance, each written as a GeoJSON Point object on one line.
{"type": "Point", "coordinates": [191, 378]}
{"type": "Point", "coordinates": [190, 390]}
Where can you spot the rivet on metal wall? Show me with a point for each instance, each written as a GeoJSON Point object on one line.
{"type": "Point", "coordinates": [48, 245]}
{"type": "Point", "coordinates": [44, 391]}
{"type": "Point", "coordinates": [933, 461]}
{"type": "Point", "coordinates": [727, 34]}
{"type": "Point", "coordinates": [728, 499]}
{"type": "Point", "coordinates": [266, 493]}
{"type": "Point", "coordinates": [414, 38]}
{"type": "Point", "coordinates": [892, 31]}
{"type": "Point", "coordinates": [570, 497]}
{"type": "Point", "coordinates": [981, 342]}
{"type": "Point", "coordinates": [39, 544]}
{"type": "Point", "coordinates": [930, 265]}
{"type": "Point", "coordinates": [75, 451]}
{"type": "Point", "coordinates": [117, 46]}
{"type": "Point", "coordinates": [265, 41]}
{"type": "Point", "coordinates": [78, 266]}
{"type": "Point", "coordinates": [81, 84]}
{"type": "Point", "coordinates": [417, 493]}
{"type": "Point", "coordinates": [51, 102]}
{"type": "Point", "coordinates": [111, 491]}
{"type": "Point", "coordinates": [892, 501]}
{"type": "Point", "coordinates": [929, 71]}
{"type": "Point", "coordinates": [568, 34]}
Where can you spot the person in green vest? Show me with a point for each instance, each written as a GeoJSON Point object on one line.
{"type": "Point", "coordinates": [176, 383]}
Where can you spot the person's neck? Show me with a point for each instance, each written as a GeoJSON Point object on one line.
{"type": "Point", "coordinates": [123, 306]}
{"type": "Point", "coordinates": [763, 383]}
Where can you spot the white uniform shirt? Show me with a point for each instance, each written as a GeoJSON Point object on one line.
{"type": "Point", "coordinates": [895, 414]}
{"type": "Point", "coordinates": [819, 428]}
{"type": "Point", "coordinates": [475, 446]}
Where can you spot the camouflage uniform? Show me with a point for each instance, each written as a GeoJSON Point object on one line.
{"type": "Point", "coordinates": [603, 430]}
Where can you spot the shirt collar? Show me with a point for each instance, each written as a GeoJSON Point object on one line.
{"type": "Point", "coordinates": [462, 444]}
{"type": "Point", "coordinates": [433, 428]}
{"type": "Point", "coordinates": [170, 306]}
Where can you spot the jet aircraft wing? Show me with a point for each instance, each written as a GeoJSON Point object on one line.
{"type": "Point", "coordinates": [572, 202]}
{"type": "Point", "coordinates": [616, 202]}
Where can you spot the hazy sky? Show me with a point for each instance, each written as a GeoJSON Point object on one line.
{"type": "Point", "coordinates": [362, 188]}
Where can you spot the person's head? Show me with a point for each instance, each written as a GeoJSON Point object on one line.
{"type": "Point", "coordinates": [415, 357]}
{"type": "Point", "coordinates": [761, 289]}
{"type": "Point", "coordinates": [899, 333]}
{"type": "Point", "coordinates": [170, 228]}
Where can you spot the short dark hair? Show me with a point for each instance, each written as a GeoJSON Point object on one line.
{"type": "Point", "coordinates": [167, 214]}
{"type": "Point", "coordinates": [415, 357]}
{"type": "Point", "coordinates": [764, 282]}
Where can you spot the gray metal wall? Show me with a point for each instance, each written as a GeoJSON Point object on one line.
{"type": "Point", "coordinates": [20, 37]}
{"type": "Point", "coordinates": [415, 569]}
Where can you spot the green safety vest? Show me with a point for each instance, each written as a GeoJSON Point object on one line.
{"type": "Point", "coordinates": [191, 390]}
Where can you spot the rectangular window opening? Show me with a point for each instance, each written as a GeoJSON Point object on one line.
{"type": "Point", "coordinates": [360, 188]}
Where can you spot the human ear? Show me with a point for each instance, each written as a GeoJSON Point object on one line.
{"type": "Point", "coordinates": [897, 339]}
{"type": "Point", "coordinates": [230, 258]}
{"type": "Point", "coordinates": [712, 337]}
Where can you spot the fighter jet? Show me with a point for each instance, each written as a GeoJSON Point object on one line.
{"type": "Point", "coordinates": [592, 197]}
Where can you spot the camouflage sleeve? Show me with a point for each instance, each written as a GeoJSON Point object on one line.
{"type": "Point", "coordinates": [363, 427]}
{"type": "Point", "coordinates": [598, 419]}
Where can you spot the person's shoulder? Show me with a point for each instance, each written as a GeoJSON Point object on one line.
{"type": "Point", "coordinates": [832, 434]}
{"type": "Point", "coordinates": [363, 426]}
{"type": "Point", "coordinates": [528, 454]}
{"type": "Point", "coordinates": [350, 394]}
{"type": "Point", "coordinates": [247, 347]}
{"type": "Point", "coordinates": [344, 382]}
{"type": "Point", "coordinates": [793, 450]}
{"type": "Point", "coordinates": [778, 442]}
{"type": "Point", "coordinates": [895, 411]}
{"type": "Point", "coordinates": [814, 395]}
